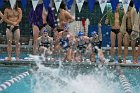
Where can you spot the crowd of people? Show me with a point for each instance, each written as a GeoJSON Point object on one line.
{"type": "Point", "coordinates": [59, 42]}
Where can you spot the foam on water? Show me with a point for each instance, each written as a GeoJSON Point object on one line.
{"type": "Point", "coordinates": [74, 80]}
{"type": "Point", "coordinates": [48, 80]}
{"type": "Point", "coordinates": [71, 80]}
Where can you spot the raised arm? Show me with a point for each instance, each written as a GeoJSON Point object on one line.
{"type": "Point", "coordinates": [69, 16]}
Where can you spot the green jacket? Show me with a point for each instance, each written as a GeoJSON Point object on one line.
{"type": "Point", "coordinates": [111, 18]}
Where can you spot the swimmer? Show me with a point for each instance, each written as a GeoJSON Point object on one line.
{"type": "Point", "coordinates": [81, 44]}
{"type": "Point", "coordinates": [13, 18]}
{"type": "Point", "coordinates": [95, 40]}
{"type": "Point", "coordinates": [64, 16]}
{"type": "Point", "coordinates": [115, 21]}
{"type": "Point", "coordinates": [40, 18]}
{"type": "Point", "coordinates": [135, 32]}
{"type": "Point", "coordinates": [127, 39]}
{"type": "Point", "coordinates": [66, 43]}
{"type": "Point", "coordinates": [45, 44]}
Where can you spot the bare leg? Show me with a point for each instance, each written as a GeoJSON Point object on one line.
{"type": "Point", "coordinates": [69, 55]}
{"type": "Point", "coordinates": [119, 44]}
{"type": "Point", "coordinates": [17, 38]}
{"type": "Point", "coordinates": [133, 43]}
{"type": "Point", "coordinates": [92, 57]}
{"type": "Point", "coordinates": [35, 36]}
{"type": "Point", "coordinates": [137, 55]}
{"type": "Point", "coordinates": [113, 39]}
{"type": "Point", "coordinates": [9, 36]}
{"type": "Point", "coordinates": [126, 44]}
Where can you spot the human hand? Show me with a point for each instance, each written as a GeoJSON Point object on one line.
{"type": "Point", "coordinates": [14, 23]}
{"type": "Point", "coordinates": [134, 35]}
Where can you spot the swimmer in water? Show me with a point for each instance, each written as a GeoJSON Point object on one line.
{"type": "Point", "coordinates": [13, 18]}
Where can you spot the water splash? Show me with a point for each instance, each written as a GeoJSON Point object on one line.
{"type": "Point", "coordinates": [50, 80]}
{"type": "Point", "coordinates": [73, 79]}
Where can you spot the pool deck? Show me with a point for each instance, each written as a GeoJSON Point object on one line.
{"type": "Point", "coordinates": [51, 64]}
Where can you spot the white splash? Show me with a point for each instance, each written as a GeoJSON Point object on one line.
{"type": "Point", "coordinates": [73, 80]}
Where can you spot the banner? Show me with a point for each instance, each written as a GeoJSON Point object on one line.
{"type": "Point", "coordinates": [125, 4]}
{"type": "Point", "coordinates": [137, 5]}
{"type": "Point", "coordinates": [24, 3]}
{"type": "Point", "coordinates": [69, 4]}
{"type": "Point", "coordinates": [34, 3]}
{"type": "Point", "coordinates": [1, 3]}
{"type": "Point", "coordinates": [114, 4]}
{"type": "Point", "coordinates": [46, 3]}
{"type": "Point", "coordinates": [80, 4]}
{"type": "Point", "coordinates": [57, 4]}
{"type": "Point", "coordinates": [12, 3]}
{"type": "Point", "coordinates": [91, 5]}
{"type": "Point", "coordinates": [102, 4]}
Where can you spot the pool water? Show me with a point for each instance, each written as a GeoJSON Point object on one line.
{"type": "Point", "coordinates": [70, 80]}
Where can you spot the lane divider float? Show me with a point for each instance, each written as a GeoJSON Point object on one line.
{"type": "Point", "coordinates": [10, 82]}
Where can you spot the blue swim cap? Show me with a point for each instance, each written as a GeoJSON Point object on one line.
{"type": "Point", "coordinates": [93, 33]}
{"type": "Point", "coordinates": [80, 33]}
{"type": "Point", "coordinates": [45, 30]}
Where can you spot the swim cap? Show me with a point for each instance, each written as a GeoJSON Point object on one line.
{"type": "Point", "coordinates": [93, 33]}
{"type": "Point", "coordinates": [80, 33]}
{"type": "Point", "coordinates": [45, 30]}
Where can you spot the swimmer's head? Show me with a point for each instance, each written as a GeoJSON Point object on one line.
{"type": "Point", "coordinates": [80, 34]}
{"type": "Point", "coordinates": [94, 34]}
{"type": "Point", "coordinates": [45, 33]}
{"type": "Point", "coordinates": [63, 5]}
{"type": "Point", "coordinates": [131, 3]}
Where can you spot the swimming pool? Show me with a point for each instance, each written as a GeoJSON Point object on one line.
{"type": "Point", "coordinates": [70, 79]}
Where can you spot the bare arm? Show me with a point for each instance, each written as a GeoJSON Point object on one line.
{"type": "Point", "coordinates": [20, 16]}
{"type": "Point", "coordinates": [100, 31]}
{"type": "Point", "coordinates": [70, 17]}
{"type": "Point", "coordinates": [1, 15]}
{"type": "Point", "coordinates": [6, 18]}
{"type": "Point", "coordinates": [132, 16]}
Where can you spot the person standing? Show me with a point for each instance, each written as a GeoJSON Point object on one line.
{"type": "Point", "coordinates": [13, 18]}
{"type": "Point", "coordinates": [115, 20]}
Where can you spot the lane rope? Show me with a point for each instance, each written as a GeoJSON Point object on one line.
{"type": "Point", "coordinates": [10, 82]}
{"type": "Point", "coordinates": [123, 80]}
